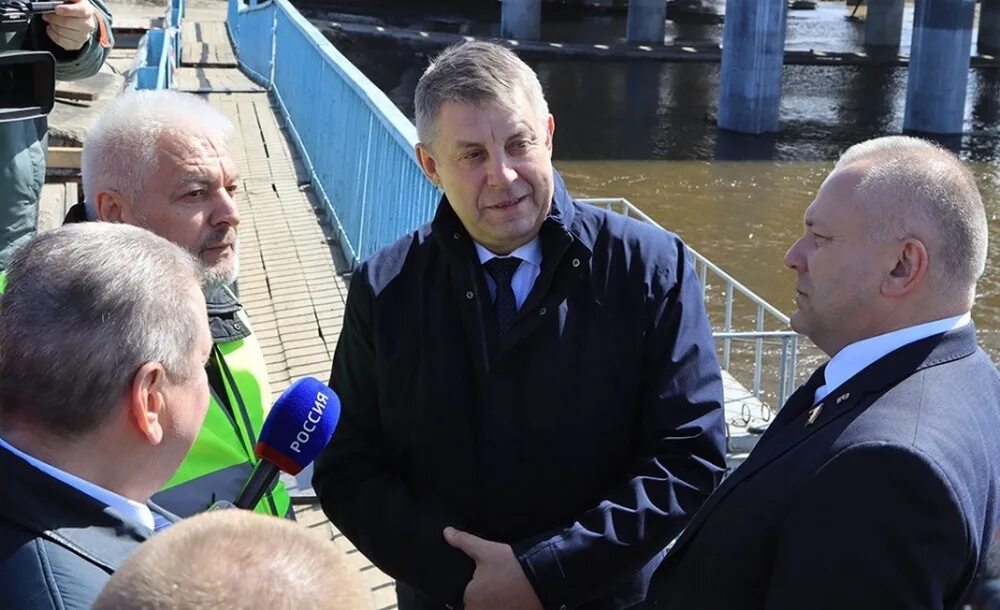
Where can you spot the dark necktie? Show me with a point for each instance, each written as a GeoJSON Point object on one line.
{"type": "Point", "coordinates": [502, 270]}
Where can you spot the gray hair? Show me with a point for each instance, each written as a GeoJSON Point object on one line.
{"type": "Point", "coordinates": [85, 306]}
{"type": "Point", "coordinates": [914, 188]}
{"type": "Point", "coordinates": [474, 73]}
{"type": "Point", "coordinates": [275, 564]}
{"type": "Point", "coordinates": [120, 148]}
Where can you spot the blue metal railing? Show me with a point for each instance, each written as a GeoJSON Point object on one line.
{"type": "Point", "coordinates": [765, 316]}
{"type": "Point", "coordinates": [156, 60]}
{"type": "Point", "coordinates": [159, 52]}
{"type": "Point", "coordinates": [357, 146]}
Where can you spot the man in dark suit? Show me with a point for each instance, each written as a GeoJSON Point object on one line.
{"type": "Point", "coordinates": [102, 392]}
{"type": "Point", "coordinates": [877, 484]}
{"type": "Point", "coordinates": [531, 404]}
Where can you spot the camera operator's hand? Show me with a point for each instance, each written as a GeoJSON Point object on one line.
{"type": "Point", "coordinates": [71, 25]}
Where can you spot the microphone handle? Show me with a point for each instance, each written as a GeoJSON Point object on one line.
{"type": "Point", "coordinates": [263, 477]}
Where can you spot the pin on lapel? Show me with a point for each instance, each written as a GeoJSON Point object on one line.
{"type": "Point", "coordinates": [843, 397]}
{"type": "Point", "coordinates": [814, 413]}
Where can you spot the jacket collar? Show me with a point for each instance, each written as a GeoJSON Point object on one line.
{"type": "Point", "coordinates": [560, 225]}
{"type": "Point", "coordinates": [77, 213]}
{"type": "Point", "coordinates": [50, 509]}
{"type": "Point", "coordinates": [224, 315]}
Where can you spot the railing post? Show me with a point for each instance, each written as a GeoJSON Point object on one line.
{"type": "Point", "coordinates": [728, 325]}
{"type": "Point", "coordinates": [759, 352]}
{"type": "Point", "coordinates": [792, 381]}
{"type": "Point", "coordinates": [703, 278]}
{"type": "Point", "coordinates": [783, 372]}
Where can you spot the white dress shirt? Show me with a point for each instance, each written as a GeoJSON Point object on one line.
{"type": "Point", "coordinates": [525, 276]}
{"type": "Point", "coordinates": [851, 360]}
{"type": "Point", "coordinates": [130, 509]}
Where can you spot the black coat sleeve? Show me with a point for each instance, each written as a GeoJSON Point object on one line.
{"type": "Point", "coordinates": [680, 457]}
{"type": "Point", "coordinates": [395, 527]}
{"type": "Point", "coordinates": [877, 527]}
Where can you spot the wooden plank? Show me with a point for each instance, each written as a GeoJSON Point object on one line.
{"type": "Point", "coordinates": [68, 91]}
{"type": "Point", "coordinates": [204, 79]}
{"type": "Point", "coordinates": [61, 157]}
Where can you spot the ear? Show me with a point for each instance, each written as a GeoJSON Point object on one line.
{"type": "Point", "coordinates": [146, 401]}
{"type": "Point", "coordinates": [110, 206]}
{"type": "Point", "coordinates": [428, 164]}
{"type": "Point", "coordinates": [909, 271]}
{"type": "Point", "coordinates": [550, 128]}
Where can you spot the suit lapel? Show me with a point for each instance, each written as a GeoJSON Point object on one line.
{"type": "Point", "coordinates": [797, 403]}
{"type": "Point", "coordinates": [798, 420]}
{"type": "Point", "coordinates": [107, 545]}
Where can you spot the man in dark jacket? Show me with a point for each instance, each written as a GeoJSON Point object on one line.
{"type": "Point", "coordinates": [78, 35]}
{"type": "Point", "coordinates": [102, 392]}
{"type": "Point", "coordinates": [878, 483]}
{"type": "Point", "coordinates": [531, 399]}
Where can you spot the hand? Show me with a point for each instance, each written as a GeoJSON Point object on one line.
{"type": "Point", "coordinates": [71, 25]}
{"type": "Point", "coordinates": [498, 582]}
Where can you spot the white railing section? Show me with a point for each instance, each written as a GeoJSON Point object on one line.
{"type": "Point", "coordinates": [758, 313]}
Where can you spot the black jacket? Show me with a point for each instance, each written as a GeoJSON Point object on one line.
{"type": "Point", "coordinates": [58, 546]}
{"type": "Point", "coordinates": [888, 499]}
{"type": "Point", "coordinates": [586, 439]}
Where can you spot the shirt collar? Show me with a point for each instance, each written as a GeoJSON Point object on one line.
{"type": "Point", "coordinates": [530, 252]}
{"type": "Point", "coordinates": [851, 360]}
{"type": "Point", "coordinates": [130, 509]}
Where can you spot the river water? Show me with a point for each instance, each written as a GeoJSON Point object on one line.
{"type": "Point", "coordinates": [646, 132]}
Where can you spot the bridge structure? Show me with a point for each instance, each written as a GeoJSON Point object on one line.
{"type": "Point", "coordinates": [753, 53]}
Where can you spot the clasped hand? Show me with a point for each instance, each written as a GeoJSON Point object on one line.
{"type": "Point", "coordinates": [499, 582]}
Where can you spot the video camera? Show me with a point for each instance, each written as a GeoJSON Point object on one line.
{"type": "Point", "coordinates": [27, 78]}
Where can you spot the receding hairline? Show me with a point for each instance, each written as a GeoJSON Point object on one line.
{"type": "Point", "coordinates": [474, 73]}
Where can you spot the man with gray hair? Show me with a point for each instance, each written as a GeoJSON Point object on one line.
{"type": "Point", "coordinates": [102, 392]}
{"type": "Point", "coordinates": [878, 483]}
{"type": "Point", "coordinates": [531, 403]}
{"type": "Point", "coordinates": [160, 160]}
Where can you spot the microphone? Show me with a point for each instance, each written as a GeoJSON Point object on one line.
{"type": "Point", "coordinates": [299, 426]}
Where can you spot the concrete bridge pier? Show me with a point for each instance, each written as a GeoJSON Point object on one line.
{"type": "Point", "coordinates": [884, 24]}
{"type": "Point", "coordinates": [988, 42]}
{"type": "Point", "coordinates": [521, 19]}
{"type": "Point", "coordinates": [939, 66]}
{"type": "Point", "coordinates": [647, 21]}
{"type": "Point", "coordinates": [753, 45]}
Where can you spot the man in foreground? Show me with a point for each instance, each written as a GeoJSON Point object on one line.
{"type": "Point", "coordinates": [235, 559]}
{"type": "Point", "coordinates": [531, 404]}
{"type": "Point", "coordinates": [102, 392]}
{"type": "Point", "coordinates": [876, 486]}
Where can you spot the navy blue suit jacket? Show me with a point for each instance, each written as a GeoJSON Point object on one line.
{"type": "Point", "coordinates": [887, 500]}
{"type": "Point", "coordinates": [58, 546]}
{"type": "Point", "coordinates": [585, 438]}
